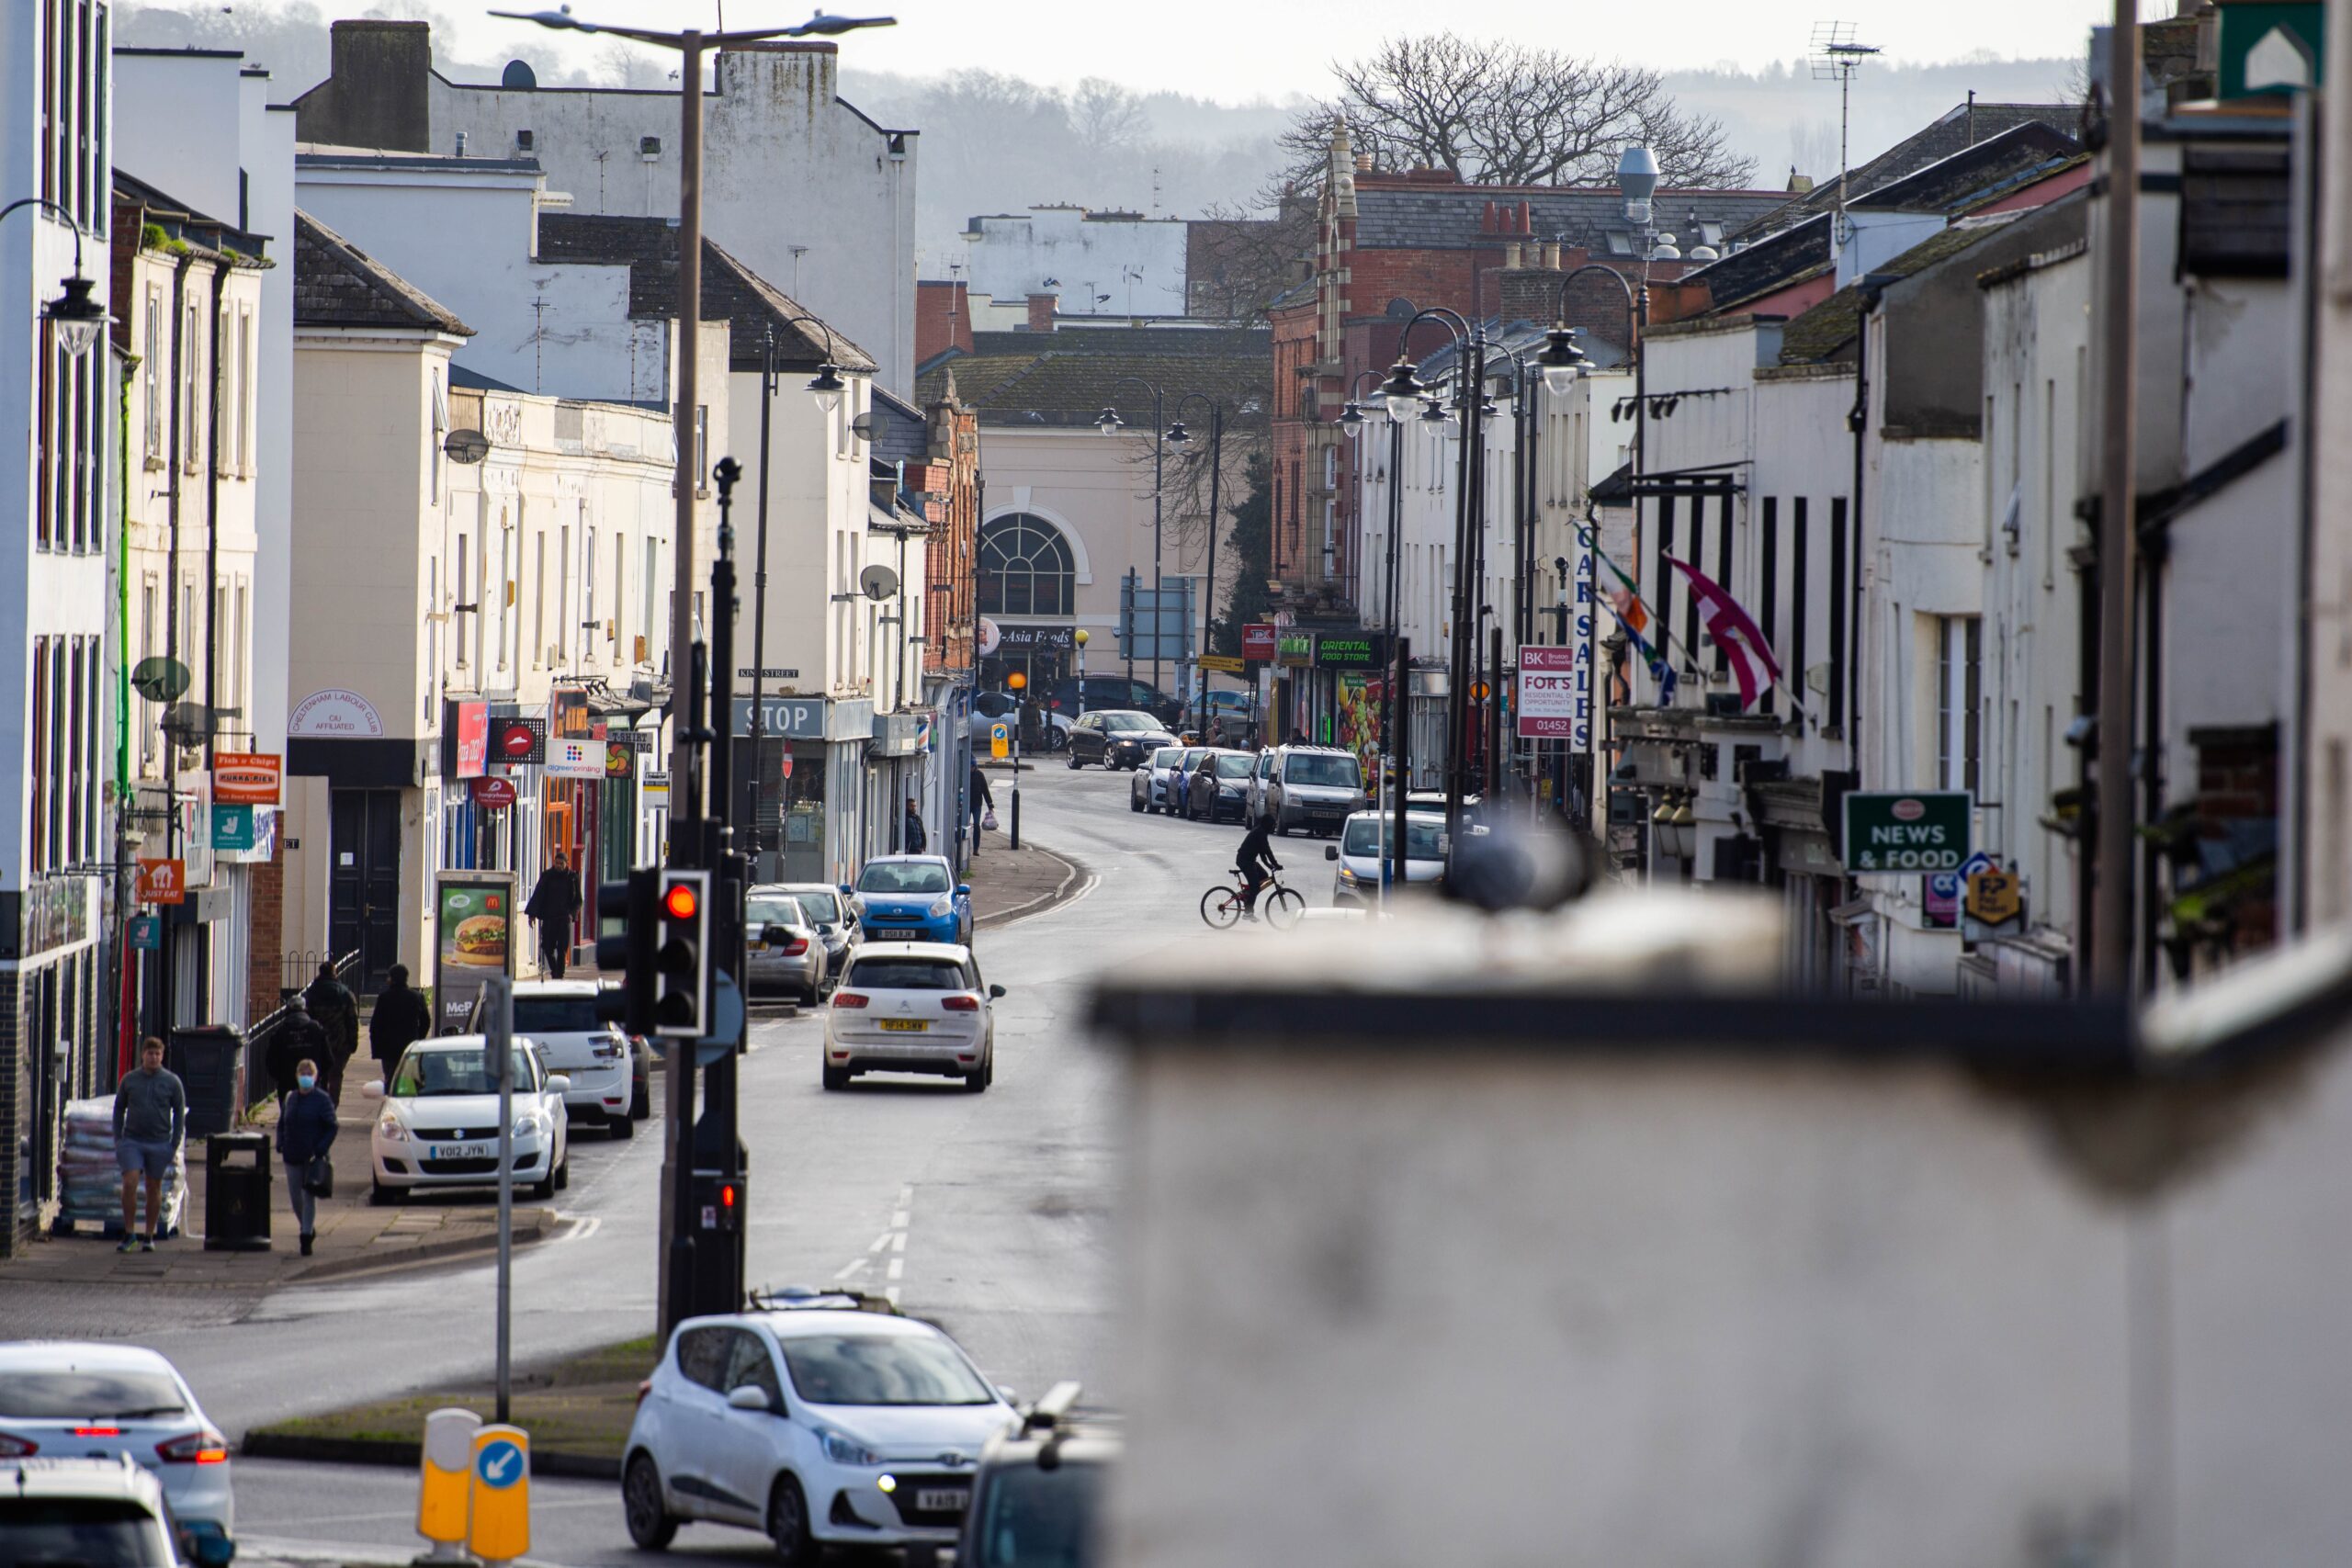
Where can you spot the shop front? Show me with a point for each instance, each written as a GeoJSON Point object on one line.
{"type": "Point", "coordinates": [803, 782]}
{"type": "Point", "coordinates": [1042, 651]}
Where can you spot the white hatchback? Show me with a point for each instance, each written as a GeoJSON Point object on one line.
{"type": "Point", "coordinates": [560, 1017]}
{"type": "Point", "coordinates": [439, 1125]}
{"type": "Point", "coordinates": [819, 1425]}
{"type": "Point", "coordinates": [63, 1400]}
{"type": "Point", "coordinates": [915, 1007]}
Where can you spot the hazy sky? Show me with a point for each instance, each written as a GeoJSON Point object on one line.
{"type": "Point", "coordinates": [1238, 50]}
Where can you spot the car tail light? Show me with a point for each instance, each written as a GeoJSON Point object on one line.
{"type": "Point", "coordinates": [850, 999]}
{"type": "Point", "coordinates": [643, 1389]}
{"type": "Point", "coordinates": [16, 1447]}
{"type": "Point", "coordinates": [960, 1004]}
{"type": "Point", "coordinates": [795, 948]}
{"type": "Point", "coordinates": [97, 1431]}
{"type": "Point", "coordinates": [207, 1447]}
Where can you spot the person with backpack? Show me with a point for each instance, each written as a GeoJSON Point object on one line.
{"type": "Point", "coordinates": [402, 1017]}
{"type": "Point", "coordinates": [337, 1010]}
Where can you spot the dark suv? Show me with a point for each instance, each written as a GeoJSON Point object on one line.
{"type": "Point", "coordinates": [1116, 739]}
{"type": "Point", "coordinates": [1104, 692]}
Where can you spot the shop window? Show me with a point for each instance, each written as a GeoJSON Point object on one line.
{"type": "Point", "coordinates": [1025, 567]}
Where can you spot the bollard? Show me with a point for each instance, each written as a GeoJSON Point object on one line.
{"type": "Point", "coordinates": [448, 1460]}
{"type": "Point", "coordinates": [1015, 841]}
{"type": "Point", "coordinates": [498, 1520]}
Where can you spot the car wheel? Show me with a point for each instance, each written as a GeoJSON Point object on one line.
{"type": "Point", "coordinates": [788, 1524]}
{"type": "Point", "coordinates": [619, 1127]}
{"type": "Point", "coordinates": [1135, 803]}
{"type": "Point", "coordinates": [640, 1101]}
{"type": "Point", "coordinates": [977, 1080]}
{"type": "Point", "coordinates": [563, 1173]}
{"type": "Point", "coordinates": [381, 1195]}
{"type": "Point", "coordinates": [836, 1077]}
{"type": "Point", "coordinates": [651, 1526]}
{"type": "Point", "coordinates": [542, 1191]}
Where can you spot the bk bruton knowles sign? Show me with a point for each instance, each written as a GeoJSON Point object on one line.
{"type": "Point", "coordinates": [1913, 830]}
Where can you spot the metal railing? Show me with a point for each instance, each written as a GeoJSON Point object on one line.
{"type": "Point", "coordinates": [258, 1082]}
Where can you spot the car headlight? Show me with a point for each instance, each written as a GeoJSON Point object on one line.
{"type": "Point", "coordinates": [391, 1129]}
{"type": "Point", "coordinates": [529, 1125]}
{"type": "Point", "coordinates": [841, 1449]}
{"type": "Point", "coordinates": [944, 905]}
{"type": "Point", "coordinates": [1346, 878]}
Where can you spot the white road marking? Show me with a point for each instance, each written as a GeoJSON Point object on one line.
{"type": "Point", "coordinates": [897, 1267]}
{"type": "Point", "coordinates": [856, 1267]}
{"type": "Point", "coordinates": [898, 1241]}
{"type": "Point", "coordinates": [881, 1243]}
{"type": "Point", "coordinates": [898, 1221]}
{"type": "Point", "coordinates": [891, 1295]}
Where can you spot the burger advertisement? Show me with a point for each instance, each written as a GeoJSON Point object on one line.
{"type": "Point", "coordinates": [472, 913]}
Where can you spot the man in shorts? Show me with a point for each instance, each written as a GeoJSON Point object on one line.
{"type": "Point", "coordinates": [150, 1119]}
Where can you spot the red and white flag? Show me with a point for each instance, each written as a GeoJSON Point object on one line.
{"type": "Point", "coordinates": [1744, 647]}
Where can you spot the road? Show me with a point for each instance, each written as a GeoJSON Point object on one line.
{"type": "Point", "coordinates": [1003, 1201]}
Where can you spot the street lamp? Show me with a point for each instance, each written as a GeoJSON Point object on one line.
{"type": "Point", "coordinates": [1402, 390]}
{"type": "Point", "coordinates": [1180, 435]}
{"type": "Point", "coordinates": [76, 314]}
{"type": "Point", "coordinates": [826, 385]}
{"type": "Point", "coordinates": [1109, 422]}
{"type": "Point", "coordinates": [1562, 361]}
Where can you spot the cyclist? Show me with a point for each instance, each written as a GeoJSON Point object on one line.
{"type": "Point", "coordinates": [1255, 862]}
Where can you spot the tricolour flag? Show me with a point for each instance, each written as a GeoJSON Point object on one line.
{"type": "Point", "coordinates": [1736, 632]}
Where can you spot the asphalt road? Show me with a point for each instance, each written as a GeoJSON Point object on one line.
{"type": "Point", "coordinates": [1003, 1201]}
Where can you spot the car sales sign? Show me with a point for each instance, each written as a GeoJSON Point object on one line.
{"type": "Point", "coordinates": [1917, 830]}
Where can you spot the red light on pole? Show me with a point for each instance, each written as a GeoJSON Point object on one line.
{"type": "Point", "coordinates": [680, 901]}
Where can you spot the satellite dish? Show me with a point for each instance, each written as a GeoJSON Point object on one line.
{"type": "Point", "coordinates": [190, 722]}
{"type": "Point", "coordinates": [878, 582]}
{"type": "Point", "coordinates": [518, 76]}
{"type": "Point", "coordinates": [465, 445]}
{"type": "Point", "coordinates": [160, 680]}
{"type": "Point", "coordinates": [866, 426]}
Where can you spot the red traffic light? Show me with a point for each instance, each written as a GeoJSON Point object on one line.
{"type": "Point", "coordinates": [727, 1196]}
{"type": "Point", "coordinates": [680, 901]}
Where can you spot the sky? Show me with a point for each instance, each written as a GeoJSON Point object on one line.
{"type": "Point", "coordinates": [1240, 50]}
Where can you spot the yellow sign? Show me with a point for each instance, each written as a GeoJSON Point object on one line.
{"type": "Point", "coordinates": [1223, 663]}
{"type": "Point", "coordinates": [449, 1473]}
{"type": "Point", "coordinates": [1000, 740]}
{"type": "Point", "coordinates": [1994, 898]}
{"type": "Point", "coordinates": [498, 1524]}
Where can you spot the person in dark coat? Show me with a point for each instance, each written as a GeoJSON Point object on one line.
{"type": "Point", "coordinates": [297, 1036]}
{"type": "Point", "coordinates": [555, 899]}
{"type": "Point", "coordinates": [917, 841]}
{"type": "Point", "coordinates": [337, 1011]}
{"type": "Point", "coordinates": [402, 1017]}
{"type": "Point", "coordinates": [306, 1131]}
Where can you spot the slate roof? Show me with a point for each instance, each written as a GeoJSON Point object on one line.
{"type": "Point", "coordinates": [1053, 385]}
{"type": "Point", "coordinates": [1986, 171]}
{"type": "Point", "coordinates": [1159, 342]}
{"type": "Point", "coordinates": [1953, 132]}
{"type": "Point", "coordinates": [1450, 217]}
{"type": "Point", "coordinates": [1769, 264]}
{"type": "Point", "coordinates": [197, 230]}
{"type": "Point", "coordinates": [336, 284]}
{"type": "Point", "coordinates": [731, 291]}
{"type": "Point", "coordinates": [902, 435]}
{"type": "Point", "coordinates": [1827, 331]}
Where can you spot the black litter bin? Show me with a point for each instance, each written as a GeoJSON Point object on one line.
{"type": "Point", "coordinates": [210, 1062]}
{"type": "Point", "coordinates": [236, 1192]}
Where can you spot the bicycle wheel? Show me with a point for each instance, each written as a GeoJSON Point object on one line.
{"type": "Point", "coordinates": [1220, 906]}
{"type": "Point", "coordinates": [1283, 906]}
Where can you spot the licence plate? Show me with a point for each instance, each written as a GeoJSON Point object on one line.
{"type": "Point", "coordinates": [911, 1025]}
{"type": "Point", "coordinates": [942, 1499]}
{"type": "Point", "coordinates": [460, 1151]}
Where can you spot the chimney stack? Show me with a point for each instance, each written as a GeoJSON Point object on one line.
{"type": "Point", "coordinates": [1041, 311]}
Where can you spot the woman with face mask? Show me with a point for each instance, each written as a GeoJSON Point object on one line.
{"type": "Point", "coordinates": [305, 1133]}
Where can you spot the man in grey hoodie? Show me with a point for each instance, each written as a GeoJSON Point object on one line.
{"type": "Point", "coordinates": [150, 1119]}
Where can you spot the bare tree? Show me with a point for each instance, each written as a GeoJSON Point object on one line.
{"type": "Point", "coordinates": [1242, 259]}
{"type": "Point", "coordinates": [1108, 118]}
{"type": "Point", "coordinates": [1505, 114]}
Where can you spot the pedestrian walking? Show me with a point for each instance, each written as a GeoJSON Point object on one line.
{"type": "Point", "coordinates": [402, 1017]}
{"type": "Point", "coordinates": [150, 1120]}
{"type": "Point", "coordinates": [555, 899]}
{"type": "Point", "coordinates": [298, 1036]}
{"type": "Point", "coordinates": [306, 1129]}
{"type": "Point", "coordinates": [917, 842]}
{"type": "Point", "coordinates": [337, 1011]}
{"type": "Point", "coordinates": [983, 805]}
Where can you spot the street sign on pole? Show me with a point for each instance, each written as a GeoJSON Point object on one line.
{"type": "Point", "coordinates": [498, 1049]}
{"type": "Point", "coordinates": [999, 738]}
{"type": "Point", "coordinates": [498, 1523]}
{"type": "Point", "coordinates": [1908, 831]}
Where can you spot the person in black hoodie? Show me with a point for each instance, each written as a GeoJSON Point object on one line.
{"type": "Point", "coordinates": [297, 1037]}
{"type": "Point", "coordinates": [337, 1011]}
{"type": "Point", "coordinates": [555, 899]}
{"type": "Point", "coordinates": [402, 1017]}
{"type": "Point", "coordinates": [306, 1129]}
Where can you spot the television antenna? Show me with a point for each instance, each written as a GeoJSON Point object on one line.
{"type": "Point", "coordinates": [1836, 54]}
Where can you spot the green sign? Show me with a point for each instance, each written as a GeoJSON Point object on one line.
{"type": "Point", "coordinates": [1295, 648]}
{"type": "Point", "coordinates": [1908, 831]}
{"type": "Point", "coordinates": [1350, 650]}
{"type": "Point", "coordinates": [2271, 47]}
{"type": "Point", "coordinates": [232, 826]}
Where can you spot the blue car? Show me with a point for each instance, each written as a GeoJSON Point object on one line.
{"type": "Point", "coordinates": [910, 898]}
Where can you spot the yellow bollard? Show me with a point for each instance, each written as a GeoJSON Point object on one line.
{"type": "Point", "coordinates": [498, 1526]}
{"type": "Point", "coordinates": [441, 1500]}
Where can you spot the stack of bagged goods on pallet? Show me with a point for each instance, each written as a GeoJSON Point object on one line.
{"type": "Point", "coordinates": [91, 1182]}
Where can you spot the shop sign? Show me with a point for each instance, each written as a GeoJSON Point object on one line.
{"type": "Point", "coordinates": [575, 757]}
{"type": "Point", "coordinates": [147, 932]}
{"type": "Point", "coordinates": [246, 778]}
{"type": "Point", "coordinates": [518, 742]}
{"type": "Point", "coordinates": [232, 826]}
{"type": "Point", "coordinates": [162, 882]}
{"type": "Point", "coordinates": [469, 739]}
{"type": "Point", "coordinates": [335, 713]}
{"type": "Point", "coordinates": [990, 637]}
{"type": "Point", "coordinates": [1553, 704]}
{"type": "Point", "coordinates": [1033, 640]}
{"type": "Point", "coordinates": [1993, 897]}
{"type": "Point", "coordinates": [1940, 900]}
{"type": "Point", "coordinates": [1350, 650]}
{"type": "Point", "coordinates": [495, 793]}
{"type": "Point", "coordinates": [1891, 830]}
{"type": "Point", "coordinates": [1258, 642]}
{"type": "Point", "coordinates": [1295, 648]}
{"type": "Point", "coordinates": [52, 912]}
{"type": "Point", "coordinates": [620, 759]}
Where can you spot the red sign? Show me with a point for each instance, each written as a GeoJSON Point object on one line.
{"type": "Point", "coordinates": [1258, 641]}
{"type": "Point", "coordinates": [246, 778]}
{"type": "Point", "coordinates": [517, 741]}
{"type": "Point", "coordinates": [163, 882]}
{"type": "Point", "coordinates": [494, 792]}
{"type": "Point", "coordinates": [1550, 692]}
{"type": "Point", "coordinates": [787, 764]}
{"type": "Point", "coordinates": [473, 739]}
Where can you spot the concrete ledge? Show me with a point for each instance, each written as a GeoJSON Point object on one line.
{"type": "Point", "coordinates": [1073, 880]}
{"type": "Point", "coordinates": [530, 1226]}
{"type": "Point", "coordinates": [384, 1452]}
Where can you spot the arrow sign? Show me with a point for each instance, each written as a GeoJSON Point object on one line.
{"type": "Point", "coordinates": [499, 1464]}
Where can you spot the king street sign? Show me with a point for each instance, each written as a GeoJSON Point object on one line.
{"type": "Point", "coordinates": [1915, 831]}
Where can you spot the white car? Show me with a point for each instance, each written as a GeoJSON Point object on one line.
{"type": "Point", "coordinates": [439, 1125]}
{"type": "Point", "coordinates": [560, 1017]}
{"type": "Point", "coordinates": [90, 1513]}
{"type": "Point", "coordinates": [1366, 840]}
{"type": "Point", "coordinates": [916, 1007]}
{"type": "Point", "coordinates": [65, 1400]}
{"type": "Point", "coordinates": [819, 1425]}
{"type": "Point", "coordinates": [1154, 787]}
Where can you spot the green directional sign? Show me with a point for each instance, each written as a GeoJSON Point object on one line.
{"type": "Point", "coordinates": [1908, 831]}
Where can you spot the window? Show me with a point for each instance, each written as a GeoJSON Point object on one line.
{"type": "Point", "coordinates": [502, 588]}
{"type": "Point", "coordinates": [1024, 567]}
{"type": "Point", "coordinates": [588, 583]}
{"type": "Point", "coordinates": [881, 1369]}
{"type": "Point", "coordinates": [562, 593]}
{"type": "Point", "coordinates": [440, 429]}
{"type": "Point", "coordinates": [224, 393]}
{"type": "Point", "coordinates": [147, 614]}
{"type": "Point", "coordinates": [191, 358]}
{"type": "Point", "coordinates": [752, 1367]}
{"type": "Point", "coordinates": [41, 748]}
{"type": "Point", "coordinates": [238, 643]}
{"type": "Point", "coordinates": [620, 600]}
{"type": "Point", "coordinates": [1957, 726]}
{"type": "Point", "coordinates": [539, 598]}
{"type": "Point", "coordinates": [704, 1354]}
{"type": "Point", "coordinates": [457, 588]}
{"type": "Point", "coordinates": [245, 391]}
{"type": "Point", "coordinates": [702, 447]}
{"type": "Point", "coordinates": [151, 373]}
{"type": "Point", "coordinates": [645, 587]}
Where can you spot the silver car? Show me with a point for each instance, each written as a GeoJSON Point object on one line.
{"type": "Point", "coordinates": [1152, 787]}
{"type": "Point", "coordinates": [821, 902]}
{"type": "Point", "coordinates": [784, 949]}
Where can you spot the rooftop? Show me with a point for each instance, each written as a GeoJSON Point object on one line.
{"type": "Point", "coordinates": [1455, 216]}
{"type": "Point", "coordinates": [336, 284]}
{"type": "Point", "coordinates": [1828, 330]}
{"type": "Point", "coordinates": [1955, 132]}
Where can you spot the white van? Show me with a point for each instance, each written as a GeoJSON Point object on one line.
{"type": "Point", "coordinates": [1313, 788]}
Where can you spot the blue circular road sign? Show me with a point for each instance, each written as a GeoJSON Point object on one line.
{"type": "Point", "coordinates": [500, 1463]}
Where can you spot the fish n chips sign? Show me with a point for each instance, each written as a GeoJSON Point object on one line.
{"type": "Point", "coordinates": [246, 778]}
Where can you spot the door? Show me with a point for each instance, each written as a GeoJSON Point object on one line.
{"type": "Point", "coordinates": [364, 882]}
{"type": "Point", "coordinates": [755, 1439]}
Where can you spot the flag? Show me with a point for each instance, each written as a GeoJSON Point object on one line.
{"type": "Point", "coordinates": [1736, 632]}
{"type": "Point", "coordinates": [1629, 610]}
{"type": "Point", "coordinates": [1633, 620]}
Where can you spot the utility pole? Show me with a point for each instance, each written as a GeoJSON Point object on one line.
{"type": "Point", "coordinates": [2119, 409]}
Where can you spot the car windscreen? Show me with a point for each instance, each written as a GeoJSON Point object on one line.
{"type": "Point", "coordinates": [902, 876]}
{"type": "Point", "coordinates": [424, 1074]}
{"type": "Point", "coordinates": [1039, 1518]}
{"type": "Point", "coordinates": [884, 974]}
{"type": "Point", "coordinates": [1316, 771]}
{"type": "Point", "coordinates": [1165, 757]}
{"type": "Point", "coordinates": [760, 912]}
{"type": "Point", "coordinates": [557, 1015]}
{"type": "Point", "coordinates": [1128, 721]}
{"type": "Point", "coordinates": [68, 1393]}
{"type": "Point", "coordinates": [1366, 838]}
{"type": "Point", "coordinates": [80, 1532]}
{"type": "Point", "coordinates": [826, 908]}
{"type": "Point", "coordinates": [1236, 767]}
{"type": "Point", "coordinates": [880, 1369]}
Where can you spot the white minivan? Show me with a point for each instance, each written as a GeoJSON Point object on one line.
{"type": "Point", "coordinates": [1364, 841]}
{"type": "Point", "coordinates": [1310, 787]}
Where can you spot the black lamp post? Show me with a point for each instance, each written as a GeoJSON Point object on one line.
{"type": "Point", "coordinates": [1110, 423]}
{"type": "Point", "coordinates": [1181, 437]}
{"type": "Point", "coordinates": [76, 314]}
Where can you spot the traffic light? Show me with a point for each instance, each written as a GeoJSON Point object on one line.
{"type": "Point", "coordinates": [681, 957]}
{"type": "Point", "coordinates": [629, 952]}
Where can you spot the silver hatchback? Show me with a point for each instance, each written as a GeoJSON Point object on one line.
{"type": "Point", "coordinates": [785, 950]}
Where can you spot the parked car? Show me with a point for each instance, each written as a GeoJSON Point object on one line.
{"type": "Point", "coordinates": [125, 1405]}
{"type": "Point", "coordinates": [921, 1008]}
{"type": "Point", "coordinates": [439, 1125]}
{"type": "Point", "coordinates": [989, 707]}
{"type": "Point", "coordinates": [1220, 786]}
{"type": "Point", "coordinates": [783, 948]}
{"type": "Point", "coordinates": [560, 1017]}
{"type": "Point", "coordinates": [1037, 1494]}
{"type": "Point", "coordinates": [1116, 739]}
{"type": "Point", "coordinates": [1107, 693]}
{"type": "Point", "coordinates": [1150, 789]}
{"type": "Point", "coordinates": [836, 922]}
{"type": "Point", "coordinates": [1179, 783]}
{"type": "Point", "coordinates": [912, 898]}
{"type": "Point", "coordinates": [817, 1425]}
{"type": "Point", "coordinates": [1365, 841]}
{"type": "Point", "coordinates": [1314, 788]}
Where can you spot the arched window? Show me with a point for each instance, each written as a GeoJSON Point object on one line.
{"type": "Point", "coordinates": [1025, 567]}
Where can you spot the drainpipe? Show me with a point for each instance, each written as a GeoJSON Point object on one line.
{"type": "Point", "coordinates": [119, 979]}
{"type": "Point", "coordinates": [212, 531]}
